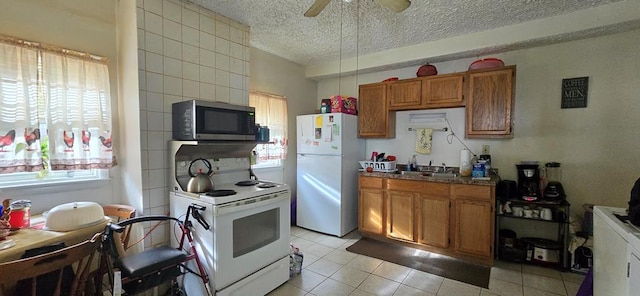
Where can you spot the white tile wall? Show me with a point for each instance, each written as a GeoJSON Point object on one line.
{"type": "Point", "coordinates": [172, 11]}
{"type": "Point", "coordinates": [172, 29]}
{"type": "Point", "coordinates": [173, 48]}
{"type": "Point", "coordinates": [184, 52]}
{"type": "Point", "coordinates": [154, 6]}
{"type": "Point", "coordinates": [154, 102]}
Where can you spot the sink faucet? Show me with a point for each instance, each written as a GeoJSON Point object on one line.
{"type": "Point", "coordinates": [443, 169]}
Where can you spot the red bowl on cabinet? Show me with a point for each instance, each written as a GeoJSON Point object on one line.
{"type": "Point", "coordinates": [486, 63]}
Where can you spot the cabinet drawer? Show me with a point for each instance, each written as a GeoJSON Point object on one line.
{"type": "Point", "coordinates": [431, 188]}
{"type": "Point", "coordinates": [475, 191]}
{"type": "Point", "coordinates": [370, 182]}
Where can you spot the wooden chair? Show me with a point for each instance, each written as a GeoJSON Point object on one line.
{"type": "Point", "coordinates": [31, 268]}
{"type": "Point", "coordinates": [119, 213]}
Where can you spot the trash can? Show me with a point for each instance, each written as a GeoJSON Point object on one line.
{"type": "Point", "coordinates": [587, 221]}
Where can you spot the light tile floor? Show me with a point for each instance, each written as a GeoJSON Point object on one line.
{"type": "Point", "coordinates": [328, 269]}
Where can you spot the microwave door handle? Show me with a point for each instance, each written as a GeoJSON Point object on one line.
{"type": "Point", "coordinates": [231, 208]}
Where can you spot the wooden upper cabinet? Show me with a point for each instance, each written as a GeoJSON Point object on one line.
{"type": "Point", "coordinates": [405, 94]}
{"type": "Point", "coordinates": [489, 105]}
{"type": "Point", "coordinates": [374, 118]}
{"type": "Point", "coordinates": [443, 91]}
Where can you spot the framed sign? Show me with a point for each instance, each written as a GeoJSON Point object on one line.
{"type": "Point", "coordinates": [574, 92]}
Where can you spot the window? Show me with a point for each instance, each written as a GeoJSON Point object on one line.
{"type": "Point", "coordinates": [271, 111]}
{"type": "Point", "coordinates": [55, 115]}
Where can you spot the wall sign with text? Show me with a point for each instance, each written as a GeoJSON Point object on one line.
{"type": "Point", "coordinates": [574, 92]}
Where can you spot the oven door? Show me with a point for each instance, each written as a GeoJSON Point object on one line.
{"type": "Point", "coordinates": [249, 235]}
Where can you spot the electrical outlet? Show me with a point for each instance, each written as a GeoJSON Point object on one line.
{"type": "Point", "coordinates": [486, 149]}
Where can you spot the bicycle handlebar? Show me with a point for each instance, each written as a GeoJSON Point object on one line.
{"type": "Point", "coordinates": [195, 213]}
{"type": "Point", "coordinates": [193, 209]}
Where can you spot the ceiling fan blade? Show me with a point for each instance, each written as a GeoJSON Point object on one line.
{"type": "Point", "coordinates": [395, 5]}
{"type": "Point", "coordinates": [316, 8]}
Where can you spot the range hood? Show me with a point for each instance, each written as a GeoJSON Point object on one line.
{"type": "Point", "coordinates": [185, 150]}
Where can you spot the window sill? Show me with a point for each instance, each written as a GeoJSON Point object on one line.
{"type": "Point", "coordinates": [57, 187]}
{"type": "Point", "coordinates": [268, 166]}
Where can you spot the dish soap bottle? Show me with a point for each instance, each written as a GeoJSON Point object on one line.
{"type": "Point", "coordinates": [413, 163]}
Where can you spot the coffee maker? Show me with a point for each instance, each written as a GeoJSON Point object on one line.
{"type": "Point", "coordinates": [553, 175]}
{"type": "Point", "coordinates": [528, 181]}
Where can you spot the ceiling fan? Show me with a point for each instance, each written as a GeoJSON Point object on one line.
{"type": "Point", "coordinates": [395, 5]}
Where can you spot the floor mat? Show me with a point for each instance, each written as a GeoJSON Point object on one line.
{"type": "Point", "coordinates": [444, 266]}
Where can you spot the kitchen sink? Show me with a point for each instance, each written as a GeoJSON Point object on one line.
{"type": "Point", "coordinates": [444, 175]}
{"type": "Point", "coordinates": [415, 173]}
{"type": "Point", "coordinates": [430, 174]}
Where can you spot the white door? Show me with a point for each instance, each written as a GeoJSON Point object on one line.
{"type": "Point", "coordinates": [319, 134]}
{"type": "Point", "coordinates": [319, 196]}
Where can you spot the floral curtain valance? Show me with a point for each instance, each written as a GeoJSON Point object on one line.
{"type": "Point", "coordinates": [56, 111]}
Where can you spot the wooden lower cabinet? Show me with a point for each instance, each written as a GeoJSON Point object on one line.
{"type": "Point", "coordinates": [473, 227]}
{"type": "Point", "coordinates": [473, 231]}
{"type": "Point", "coordinates": [400, 209]}
{"type": "Point", "coordinates": [433, 220]}
{"type": "Point", "coordinates": [371, 215]}
{"type": "Point", "coordinates": [452, 219]}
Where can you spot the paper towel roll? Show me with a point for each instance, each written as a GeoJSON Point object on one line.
{"type": "Point", "coordinates": [465, 163]}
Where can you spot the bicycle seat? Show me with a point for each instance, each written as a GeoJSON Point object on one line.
{"type": "Point", "coordinates": [150, 260]}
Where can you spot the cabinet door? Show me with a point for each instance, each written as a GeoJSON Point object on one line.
{"type": "Point", "coordinates": [374, 118]}
{"type": "Point", "coordinates": [405, 95]}
{"type": "Point", "coordinates": [472, 232]}
{"type": "Point", "coordinates": [400, 211]}
{"type": "Point", "coordinates": [371, 210]}
{"type": "Point", "coordinates": [489, 104]}
{"type": "Point", "coordinates": [443, 91]}
{"type": "Point", "coordinates": [433, 220]}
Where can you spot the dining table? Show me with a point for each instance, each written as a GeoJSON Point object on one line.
{"type": "Point", "coordinates": [36, 235]}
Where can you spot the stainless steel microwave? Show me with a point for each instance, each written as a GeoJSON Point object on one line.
{"type": "Point", "coordinates": [202, 120]}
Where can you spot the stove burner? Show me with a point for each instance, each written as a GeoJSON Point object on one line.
{"type": "Point", "coordinates": [221, 192]}
{"type": "Point", "coordinates": [247, 183]}
{"type": "Point", "coordinates": [267, 185]}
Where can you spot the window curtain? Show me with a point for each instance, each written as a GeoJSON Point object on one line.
{"type": "Point", "coordinates": [20, 149]}
{"type": "Point", "coordinates": [77, 97]}
{"type": "Point", "coordinates": [271, 111]}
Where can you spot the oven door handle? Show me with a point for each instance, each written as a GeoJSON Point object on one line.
{"type": "Point", "coordinates": [249, 203]}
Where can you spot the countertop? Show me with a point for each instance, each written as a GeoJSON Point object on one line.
{"type": "Point", "coordinates": [456, 180]}
{"type": "Point", "coordinates": [630, 233]}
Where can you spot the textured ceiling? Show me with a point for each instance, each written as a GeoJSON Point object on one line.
{"type": "Point", "coordinates": [279, 27]}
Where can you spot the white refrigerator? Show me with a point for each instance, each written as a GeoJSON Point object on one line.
{"type": "Point", "coordinates": [327, 178]}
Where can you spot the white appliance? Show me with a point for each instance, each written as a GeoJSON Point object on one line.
{"type": "Point", "coordinates": [616, 252]}
{"type": "Point", "coordinates": [246, 250]}
{"type": "Point", "coordinates": [327, 178]}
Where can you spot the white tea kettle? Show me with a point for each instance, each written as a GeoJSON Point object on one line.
{"type": "Point", "coordinates": [200, 182]}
